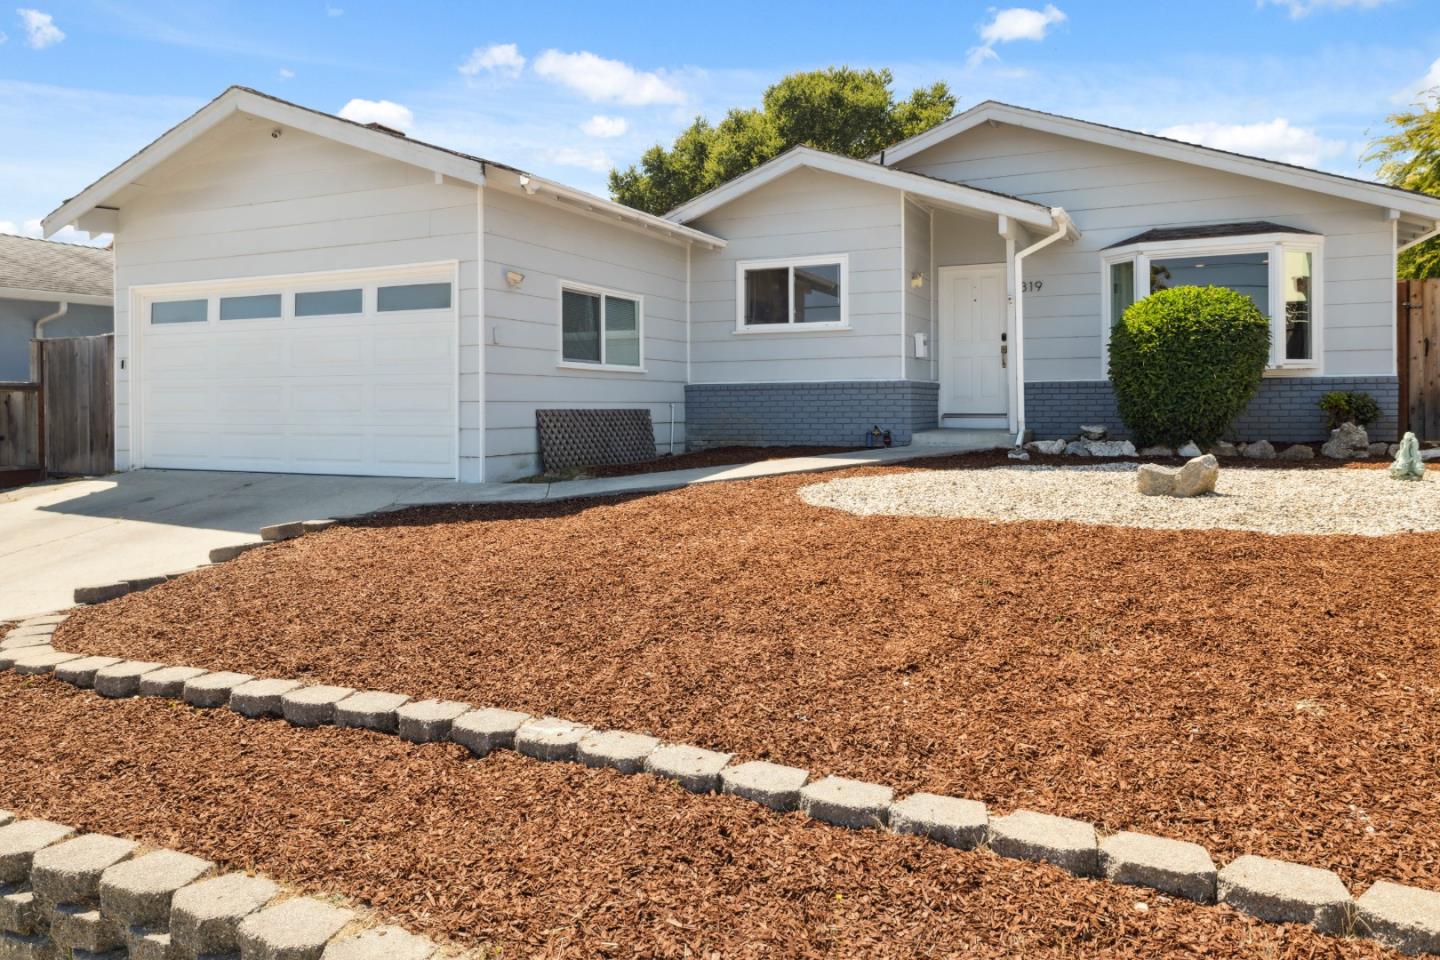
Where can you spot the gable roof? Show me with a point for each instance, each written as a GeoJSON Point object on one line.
{"type": "Point", "coordinates": [1210, 231]}
{"type": "Point", "coordinates": [90, 204]}
{"type": "Point", "coordinates": [944, 192]}
{"type": "Point", "coordinates": [28, 265]}
{"type": "Point", "coordinates": [1365, 191]}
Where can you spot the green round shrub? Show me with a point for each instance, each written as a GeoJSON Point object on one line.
{"type": "Point", "coordinates": [1184, 362]}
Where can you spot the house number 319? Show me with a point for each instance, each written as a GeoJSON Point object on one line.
{"type": "Point", "coordinates": [1032, 286]}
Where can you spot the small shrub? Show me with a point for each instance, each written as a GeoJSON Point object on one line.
{"type": "Point", "coordinates": [1350, 406]}
{"type": "Point", "coordinates": [1184, 362]}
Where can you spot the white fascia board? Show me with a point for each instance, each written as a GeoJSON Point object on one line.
{"type": "Point", "coordinates": [52, 296]}
{"type": "Point", "coordinates": [243, 101]}
{"type": "Point", "coordinates": [1290, 176]}
{"type": "Point", "coordinates": [914, 184]}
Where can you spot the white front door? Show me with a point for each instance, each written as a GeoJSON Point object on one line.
{"type": "Point", "coordinates": [974, 390]}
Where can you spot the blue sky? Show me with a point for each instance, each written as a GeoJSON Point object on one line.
{"type": "Point", "coordinates": [569, 90]}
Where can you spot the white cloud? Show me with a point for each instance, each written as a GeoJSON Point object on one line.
{"type": "Point", "coordinates": [383, 112]}
{"type": "Point", "coordinates": [1276, 139]}
{"type": "Point", "coordinates": [1426, 86]}
{"type": "Point", "coordinates": [334, 11]}
{"type": "Point", "coordinates": [1300, 9]}
{"type": "Point", "coordinates": [594, 160]}
{"type": "Point", "coordinates": [40, 29]}
{"type": "Point", "coordinates": [605, 127]}
{"type": "Point", "coordinates": [4, 37]}
{"type": "Point", "coordinates": [603, 80]}
{"type": "Point", "coordinates": [500, 59]}
{"type": "Point", "coordinates": [285, 74]}
{"type": "Point", "coordinates": [1011, 24]}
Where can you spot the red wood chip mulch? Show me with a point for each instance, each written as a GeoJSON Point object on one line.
{"type": "Point", "coordinates": [1255, 694]}
{"type": "Point", "coordinates": [556, 860]}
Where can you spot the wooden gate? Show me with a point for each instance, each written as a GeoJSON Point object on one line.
{"type": "Point", "coordinates": [21, 434]}
{"type": "Point", "coordinates": [77, 376]}
{"type": "Point", "coordinates": [1418, 351]}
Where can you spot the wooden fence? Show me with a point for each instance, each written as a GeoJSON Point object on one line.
{"type": "Point", "coordinates": [1418, 350]}
{"type": "Point", "coordinates": [62, 421]}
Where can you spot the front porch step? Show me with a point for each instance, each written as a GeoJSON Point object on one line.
{"type": "Point", "coordinates": [963, 439]}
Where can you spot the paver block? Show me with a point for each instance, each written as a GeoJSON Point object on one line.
{"type": "Point", "coordinates": [847, 803]}
{"type": "Point", "coordinates": [81, 673]}
{"type": "Point", "coordinates": [82, 928]}
{"type": "Point", "coordinates": [13, 947]}
{"type": "Point", "coordinates": [483, 731]}
{"type": "Point", "coordinates": [38, 630]}
{"type": "Point", "coordinates": [69, 872]}
{"type": "Point", "coordinates": [382, 943]}
{"type": "Point", "coordinates": [694, 769]}
{"type": "Point", "coordinates": [168, 681]}
{"type": "Point", "coordinates": [949, 820]}
{"type": "Point", "coordinates": [20, 913]}
{"type": "Point", "coordinates": [282, 531]}
{"type": "Point", "coordinates": [20, 841]}
{"type": "Point", "coordinates": [8, 657]}
{"type": "Point", "coordinates": [145, 944]}
{"type": "Point", "coordinates": [315, 526]}
{"type": "Point", "coordinates": [1282, 892]}
{"type": "Point", "coordinates": [313, 706]}
{"type": "Point", "coordinates": [261, 698]}
{"type": "Point", "coordinates": [296, 929]}
{"type": "Point", "coordinates": [1171, 866]}
{"type": "Point", "coordinates": [145, 583]}
{"type": "Point", "coordinates": [620, 749]}
{"type": "Point", "coordinates": [205, 916]}
{"type": "Point", "coordinates": [1027, 835]}
{"type": "Point", "coordinates": [139, 891]}
{"type": "Point", "coordinates": [224, 554]}
{"type": "Point", "coordinates": [45, 619]}
{"type": "Point", "coordinates": [6, 817]}
{"type": "Point", "coordinates": [123, 679]}
{"type": "Point", "coordinates": [100, 592]}
{"type": "Point", "coordinates": [426, 721]}
{"type": "Point", "coordinates": [769, 784]}
{"type": "Point", "coordinates": [118, 953]}
{"type": "Point", "coordinates": [16, 641]}
{"type": "Point", "coordinates": [1403, 918]}
{"type": "Point", "coordinates": [370, 710]}
{"type": "Point", "coordinates": [41, 660]}
{"type": "Point", "coordinates": [213, 689]}
{"type": "Point", "coordinates": [549, 738]}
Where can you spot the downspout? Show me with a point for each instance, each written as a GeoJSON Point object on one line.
{"type": "Point", "coordinates": [40, 324]}
{"type": "Point", "coordinates": [1062, 230]}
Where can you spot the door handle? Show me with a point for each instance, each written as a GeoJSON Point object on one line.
{"type": "Point", "coordinates": [1004, 359]}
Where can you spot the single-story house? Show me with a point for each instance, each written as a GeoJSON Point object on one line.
{"type": "Point", "coordinates": [296, 292]}
{"type": "Point", "coordinates": [50, 289]}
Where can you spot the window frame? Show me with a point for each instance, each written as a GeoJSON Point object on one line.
{"type": "Point", "coordinates": [590, 289]}
{"type": "Point", "coordinates": [790, 263]}
{"type": "Point", "coordinates": [1274, 244]}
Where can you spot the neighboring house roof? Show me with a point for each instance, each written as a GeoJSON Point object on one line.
{"type": "Point", "coordinates": [88, 209]}
{"type": "Point", "coordinates": [1418, 205]}
{"type": "Point", "coordinates": [1248, 228]}
{"type": "Point", "coordinates": [941, 191]}
{"type": "Point", "coordinates": [44, 270]}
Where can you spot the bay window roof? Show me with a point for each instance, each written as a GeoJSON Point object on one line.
{"type": "Point", "coordinates": [1208, 231]}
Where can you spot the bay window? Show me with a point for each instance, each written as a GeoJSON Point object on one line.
{"type": "Point", "coordinates": [806, 293]}
{"type": "Point", "coordinates": [1279, 273]}
{"type": "Point", "coordinates": [599, 328]}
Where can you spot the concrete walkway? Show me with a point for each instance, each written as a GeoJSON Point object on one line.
{"type": "Point", "coordinates": [55, 537]}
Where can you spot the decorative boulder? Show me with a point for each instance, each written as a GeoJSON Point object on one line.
{"type": "Point", "coordinates": [1018, 453]}
{"type": "Point", "coordinates": [1347, 442]}
{"type": "Point", "coordinates": [1408, 465]}
{"type": "Point", "coordinates": [1077, 448]}
{"type": "Point", "coordinates": [1153, 480]}
{"type": "Point", "coordinates": [1259, 450]}
{"type": "Point", "coordinates": [1196, 477]}
{"type": "Point", "coordinates": [1050, 448]}
{"type": "Point", "coordinates": [1156, 452]}
{"type": "Point", "coordinates": [1093, 431]}
{"type": "Point", "coordinates": [1297, 451]}
{"type": "Point", "coordinates": [1224, 448]}
{"type": "Point", "coordinates": [1190, 450]}
{"type": "Point", "coordinates": [1110, 448]}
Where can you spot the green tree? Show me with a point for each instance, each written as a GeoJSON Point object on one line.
{"type": "Point", "coordinates": [1409, 157]}
{"type": "Point", "coordinates": [840, 110]}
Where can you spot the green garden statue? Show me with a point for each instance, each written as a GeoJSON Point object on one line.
{"type": "Point", "coordinates": [1408, 465]}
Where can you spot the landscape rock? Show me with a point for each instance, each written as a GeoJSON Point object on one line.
{"type": "Point", "coordinates": [282, 531]}
{"type": "Point", "coordinates": [1018, 453]}
{"type": "Point", "coordinates": [295, 929]}
{"type": "Point", "coordinates": [949, 820]}
{"type": "Point", "coordinates": [485, 731]}
{"type": "Point", "coordinates": [1197, 476]}
{"type": "Point", "coordinates": [1110, 448]}
{"type": "Point", "coordinates": [1050, 448]}
{"type": "Point", "coordinates": [694, 769]}
{"type": "Point", "coordinates": [1378, 449]}
{"type": "Point", "coordinates": [1153, 480]}
{"type": "Point", "coordinates": [212, 689]}
{"type": "Point", "coordinates": [1281, 892]}
{"type": "Point", "coordinates": [139, 891]}
{"type": "Point", "coordinates": [428, 721]}
{"type": "Point", "coordinates": [1190, 449]}
{"type": "Point", "coordinates": [1259, 450]}
{"type": "Point", "coordinates": [224, 554]}
{"type": "Point", "coordinates": [1407, 465]}
{"type": "Point", "coordinates": [769, 784]}
{"type": "Point", "coordinates": [1157, 452]}
{"type": "Point", "coordinates": [261, 698]}
{"type": "Point", "coordinates": [619, 749]}
{"type": "Point", "coordinates": [1430, 453]}
{"type": "Point", "coordinates": [1171, 866]}
{"type": "Point", "coordinates": [1093, 431]}
{"type": "Point", "coordinates": [847, 803]}
{"type": "Point", "coordinates": [1224, 448]}
{"type": "Point", "coordinates": [1077, 448]}
{"type": "Point", "coordinates": [1347, 442]}
{"type": "Point", "coordinates": [205, 916]}
{"type": "Point", "coordinates": [1026, 835]}
{"type": "Point", "coordinates": [1297, 451]}
{"type": "Point", "coordinates": [1402, 918]}
{"type": "Point", "coordinates": [370, 710]}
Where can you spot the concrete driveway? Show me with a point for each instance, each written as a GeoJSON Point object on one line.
{"type": "Point", "coordinates": [55, 537]}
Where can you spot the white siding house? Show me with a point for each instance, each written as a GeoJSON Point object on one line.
{"type": "Point", "coordinates": [298, 293]}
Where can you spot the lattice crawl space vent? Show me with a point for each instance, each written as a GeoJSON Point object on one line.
{"type": "Point", "coordinates": [588, 438]}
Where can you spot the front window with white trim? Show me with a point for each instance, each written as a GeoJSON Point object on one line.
{"type": "Point", "coordinates": [1279, 274]}
{"type": "Point", "coordinates": [808, 293]}
{"type": "Point", "coordinates": [600, 328]}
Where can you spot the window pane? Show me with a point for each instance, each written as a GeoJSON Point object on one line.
{"type": "Point", "coordinates": [264, 306]}
{"type": "Point", "coordinates": [1247, 273]}
{"type": "Point", "coordinates": [178, 311]}
{"type": "Point", "coordinates": [622, 332]}
{"type": "Point", "coordinates": [415, 296]}
{"type": "Point", "coordinates": [1122, 289]}
{"type": "Point", "coordinates": [319, 303]}
{"type": "Point", "coordinates": [1297, 305]}
{"type": "Point", "coordinates": [817, 293]}
{"type": "Point", "coordinates": [580, 326]}
{"type": "Point", "coordinates": [766, 298]}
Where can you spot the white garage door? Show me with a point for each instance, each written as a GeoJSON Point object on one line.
{"type": "Point", "coordinates": [342, 374]}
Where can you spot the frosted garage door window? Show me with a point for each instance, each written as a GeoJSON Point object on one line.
{"type": "Point", "coordinates": [265, 306]}
{"type": "Point", "coordinates": [414, 296]}
{"type": "Point", "coordinates": [328, 303]}
{"type": "Point", "coordinates": [178, 311]}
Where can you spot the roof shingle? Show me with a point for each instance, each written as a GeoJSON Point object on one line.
{"type": "Point", "coordinates": [59, 268]}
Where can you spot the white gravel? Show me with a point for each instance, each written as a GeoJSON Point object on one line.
{"type": "Point", "coordinates": [1364, 502]}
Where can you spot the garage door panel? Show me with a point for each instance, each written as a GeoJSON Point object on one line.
{"type": "Point", "coordinates": [186, 356]}
{"type": "Point", "coordinates": [430, 450]}
{"type": "Point", "coordinates": [329, 399]}
{"type": "Point", "coordinates": [328, 355]}
{"type": "Point", "coordinates": [179, 403]}
{"type": "Point", "coordinates": [406, 399]}
{"type": "Point", "coordinates": [415, 347]}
